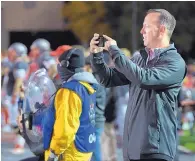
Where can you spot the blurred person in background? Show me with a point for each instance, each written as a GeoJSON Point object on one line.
{"type": "Point", "coordinates": [116, 104]}
{"type": "Point", "coordinates": [50, 64]}
{"type": "Point", "coordinates": [155, 77]}
{"type": "Point", "coordinates": [71, 136]}
{"type": "Point", "coordinates": [188, 97]}
{"type": "Point", "coordinates": [17, 56]}
{"type": "Point", "coordinates": [99, 115]}
{"type": "Point", "coordinates": [179, 124]}
{"type": "Point", "coordinates": [189, 81]}
{"type": "Point", "coordinates": [5, 69]}
{"type": "Point", "coordinates": [109, 140]}
{"type": "Point", "coordinates": [187, 101]}
{"type": "Point", "coordinates": [39, 49]}
{"type": "Point", "coordinates": [121, 106]}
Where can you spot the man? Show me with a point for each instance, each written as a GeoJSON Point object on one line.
{"type": "Point", "coordinates": [69, 128]}
{"type": "Point", "coordinates": [17, 53]}
{"type": "Point", "coordinates": [5, 68]}
{"type": "Point", "coordinates": [39, 49]}
{"type": "Point", "coordinates": [154, 77]}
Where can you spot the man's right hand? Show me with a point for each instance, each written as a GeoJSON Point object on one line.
{"type": "Point", "coordinates": [94, 44]}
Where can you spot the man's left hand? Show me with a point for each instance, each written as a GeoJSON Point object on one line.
{"type": "Point", "coordinates": [51, 159]}
{"type": "Point", "coordinates": [109, 42]}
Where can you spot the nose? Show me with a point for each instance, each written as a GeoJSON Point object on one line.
{"type": "Point", "coordinates": [142, 31]}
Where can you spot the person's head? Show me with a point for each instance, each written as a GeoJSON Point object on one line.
{"type": "Point", "coordinates": [157, 29]}
{"type": "Point", "coordinates": [5, 66]}
{"type": "Point", "coordinates": [191, 67]}
{"type": "Point", "coordinates": [17, 50]}
{"type": "Point", "coordinates": [39, 46]}
{"type": "Point", "coordinates": [70, 62]}
{"type": "Point", "coordinates": [50, 65]}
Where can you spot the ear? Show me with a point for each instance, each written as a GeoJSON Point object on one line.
{"type": "Point", "coordinates": [163, 30]}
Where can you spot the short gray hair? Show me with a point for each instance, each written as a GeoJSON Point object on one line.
{"type": "Point", "coordinates": [166, 19]}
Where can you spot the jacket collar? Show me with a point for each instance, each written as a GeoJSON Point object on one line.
{"type": "Point", "coordinates": [157, 52]}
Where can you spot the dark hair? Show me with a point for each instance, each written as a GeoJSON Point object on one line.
{"type": "Point", "coordinates": [165, 19]}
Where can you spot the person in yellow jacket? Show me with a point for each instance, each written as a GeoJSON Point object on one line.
{"type": "Point", "coordinates": [69, 127]}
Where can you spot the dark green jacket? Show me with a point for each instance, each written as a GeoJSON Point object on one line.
{"type": "Point", "coordinates": [150, 124]}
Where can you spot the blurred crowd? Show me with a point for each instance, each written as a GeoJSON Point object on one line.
{"type": "Point", "coordinates": [186, 99]}
{"type": "Point", "coordinates": [17, 65]}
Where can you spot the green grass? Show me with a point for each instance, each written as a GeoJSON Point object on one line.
{"type": "Point", "coordinates": [188, 141]}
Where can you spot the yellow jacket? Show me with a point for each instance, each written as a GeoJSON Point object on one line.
{"type": "Point", "coordinates": [68, 106]}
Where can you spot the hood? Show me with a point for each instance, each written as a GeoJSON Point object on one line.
{"type": "Point", "coordinates": [84, 77]}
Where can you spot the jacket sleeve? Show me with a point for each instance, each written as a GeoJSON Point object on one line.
{"type": "Point", "coordinates": [167, 73]}
{"type": "Point", "coordinates": [109, 77]}
{"type": "Point", "coordinates": [68, 107]}
{"type": "Point", "coordinates": [101, 98]}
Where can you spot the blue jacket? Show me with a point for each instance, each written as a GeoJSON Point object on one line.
{"type": "Point", "coordinates": [69, 125]}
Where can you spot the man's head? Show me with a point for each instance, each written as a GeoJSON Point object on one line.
{"type": "Point", "coordinates": [70, 62]}
{"type": "Point", "coordinates": [16, 50]}
{"type": "Point", "coordinates": [191, 67]}
{"type": "Point", "coordinates": [157, 28]}
{"type": "Point", "coordinates": [39, 46]}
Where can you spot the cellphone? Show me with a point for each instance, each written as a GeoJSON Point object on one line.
{"type": "Point", "coordinates": [101, 40]}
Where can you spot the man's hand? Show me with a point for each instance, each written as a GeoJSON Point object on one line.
{"type": "Point", "coordinates": [94, 44]}
{"type": "Point", "coordinates": [109, 42]}
{"type": "Point", "coordinates": [51, 159]}
{"type": "Point", "coordinates": [52, 156]}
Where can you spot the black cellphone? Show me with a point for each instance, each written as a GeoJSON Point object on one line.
{"type": "Point", "coordinates": [101, 40]}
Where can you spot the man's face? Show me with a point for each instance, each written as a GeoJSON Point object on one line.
{"type": "Point", "coordinates": [151, 30]}
{"type": "Point", "coordinates": [34, 53]}
{"type": "Point", "coordinates": [12, 55]}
